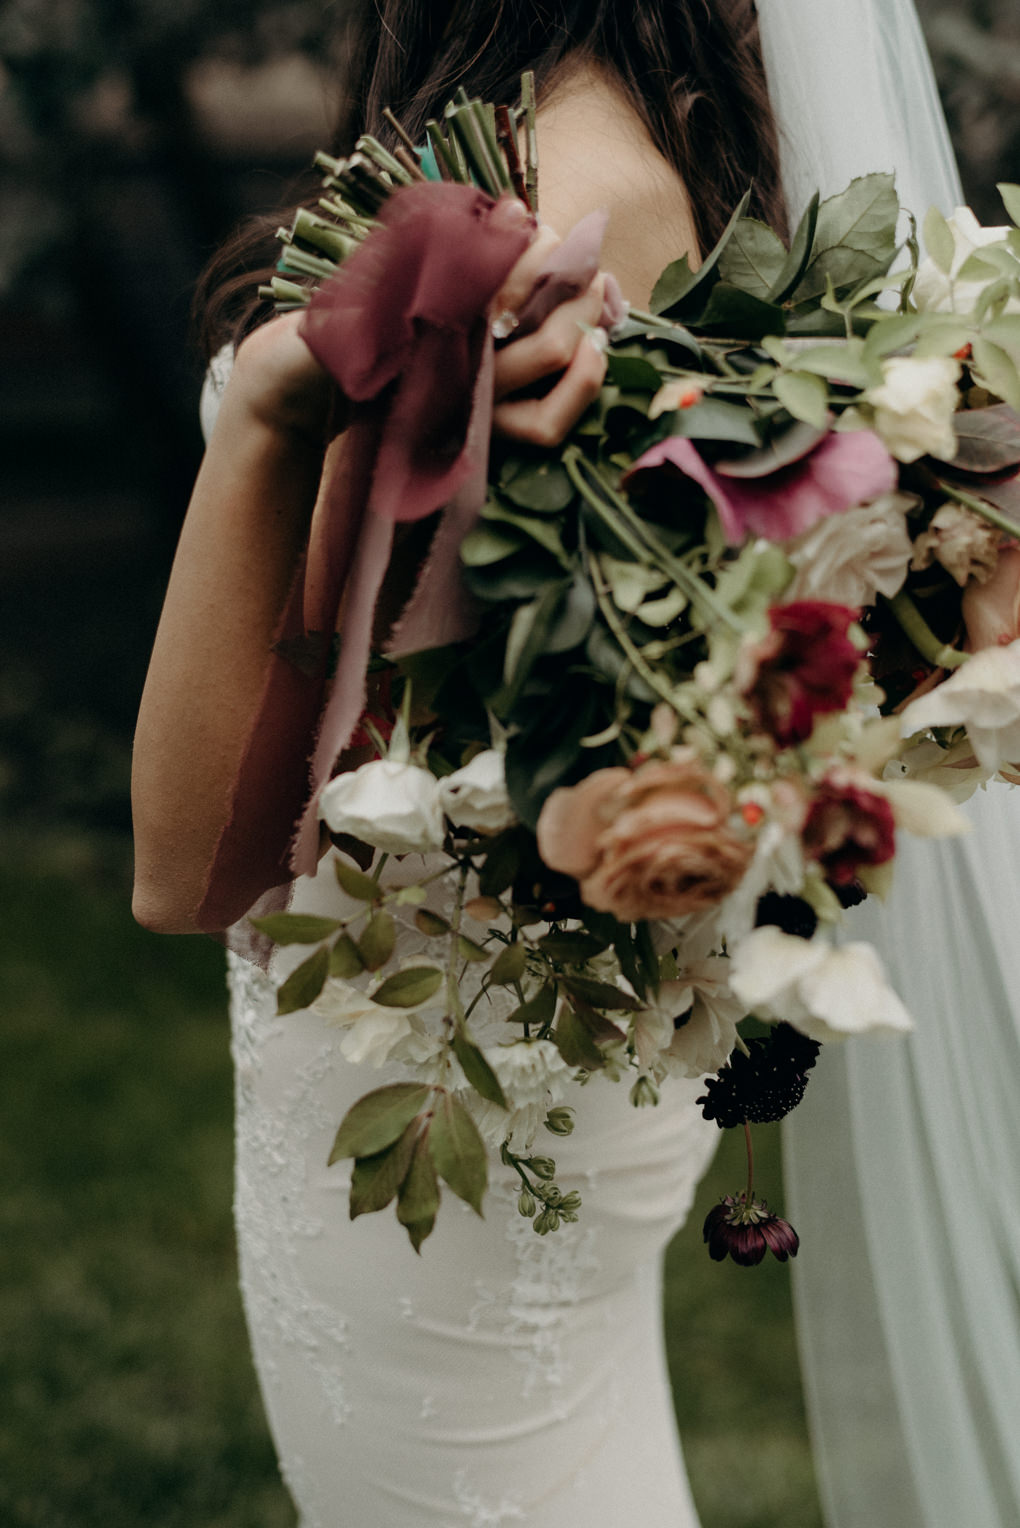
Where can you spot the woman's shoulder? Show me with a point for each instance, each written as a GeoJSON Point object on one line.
{"type": "Point", "coordinates": [595, 151]}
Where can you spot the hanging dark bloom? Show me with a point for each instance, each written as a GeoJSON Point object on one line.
{"type": "Point", "coordinates": [745, 1230]}
{"type": "Point", "coordinates": [792, 914]}
{"type": "Point", "coordinates": [764, 1085]}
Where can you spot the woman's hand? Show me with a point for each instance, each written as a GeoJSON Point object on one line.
{"type": "Point", "coordinates": [568, 346]}
{"type": "Point", "coordinates": [281, 384]}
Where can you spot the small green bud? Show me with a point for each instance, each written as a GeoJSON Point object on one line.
{"type": "Point", "coordinates": [560, 1121]}
{"type": "Point", "coordinates": [553, 1195]}
{"type": "Point", "coordinates": [548, 1221]}
{"type": "Point", "coordinates": [526, 1203]}
{"type": "Point", "coordinates": [542, 1167]}
{"type": "Point", "coordinates": [570, 1202]}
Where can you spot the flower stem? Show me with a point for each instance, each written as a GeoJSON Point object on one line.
{"type": "Point", "coordinates": [750, 1161]}
{"type": "Point", "coordinates": [912, 623]}
{"type": "Point", "coordinates": [981, 507]}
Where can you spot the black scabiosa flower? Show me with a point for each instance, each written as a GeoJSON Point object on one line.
{"type": "Point", "coordinates": [744, 1229]}
{"type": "Point", "coordinates": [763, 1085]}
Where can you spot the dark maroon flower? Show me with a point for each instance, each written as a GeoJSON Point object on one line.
{"type": "Point", "coordinates": [745, 1230]}
{"type": "Point", "coordinates": [846, 828]}
{"type": "Point", "coordinates": [802, 669]}
{"type": "Point", "coordinates": [763, 1083]}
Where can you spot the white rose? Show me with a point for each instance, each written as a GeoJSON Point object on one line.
{"type": "Point", "coordinates": [982, 695]}
{"type": "Point", "coordinates": [826, 992]}
{"type": "Point", "coordinates": [914, 406]}
{"type": "Point", "coordinates": [847, 559]}
{"type": "Point", "coordinates": [389, 805]}
{"type": "Point", "coordinates": [935, 291]}
{"type": "Point", "coordinates": [476, 796]}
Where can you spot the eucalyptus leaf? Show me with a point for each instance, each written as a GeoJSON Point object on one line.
{"type": "Point", "coordinates": [545, 532]}
{"type": "Point", "coordinates": [304, 984]}
{"type": "Point", "coordinates": [408, 988]}
{"type": "Point", "coordinates": [526, 639]}
{"type": "Point", "coordinates": [543, 485]}
{"type": "Point", "coordinates": [486, 544]}
{"type": "Point", "coordinates": [753, 259]}
{"type": "Point", "coordinates": [478, 1071]}
{"type": "Point", "coordinates": [376, 1179]}
{"type": "Point", "coordinates": [378, 940]}
{"type": "Point", "coordinates": [997, 371]}
{"type": "Point", "coordinates": [378, 1119]}
{"type": "Point", "coordinates": [458, 1151]}
{"type": "Point", "coordinates": [345, 958]}
{"type": "Point", "coordinates": [355, 882]}
{"type": "Point", "coordinates": [519, 577]}
{"type": "Point", "coordinates": [295, 928]}
{"type": "Point", "coordinates": [573, 618]}
{"type": "Point", "coordinates": [418, 1200]}
{"type": "Point", "coordinates": [664, 611]}
{"type": "Point", "coordinates": [804, 396]}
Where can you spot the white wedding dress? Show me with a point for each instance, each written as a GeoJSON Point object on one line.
{"type": "Point", "coordinates": [501, 1377]}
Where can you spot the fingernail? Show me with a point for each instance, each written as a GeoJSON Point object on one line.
{"type": "Point", "coordinates": [599, 338]}
{"type": "Point", "coordinates": [504, 324]}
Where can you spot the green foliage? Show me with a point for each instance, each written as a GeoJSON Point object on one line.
{"type": "Point", "coordinates": [408, 988]}
{"type": "Point", "coordinates": [458, 1151]}
{"type": "Point", "coordinates": [378, 1119]}
{"type": "Point", "coordinates": [304, 984]}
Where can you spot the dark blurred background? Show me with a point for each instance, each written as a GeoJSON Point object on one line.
{"type": "Point", "coordinates": [134, 134]}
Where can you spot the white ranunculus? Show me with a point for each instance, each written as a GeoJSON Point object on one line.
{"type": "Point", "coordinates": [374, 1033]}
{"type": "Point", "coordinates": [825, 991]}
{"type": "Point", "coordinates": [476, 796]}
{"type": "Point", "coordinates": [935, 291]}
{"type": "Point", "coordinates": [982, 695]}
{"type": "Point", "coordinates": [914, 406]}
{"type": "Point", "coordinates": [954, 770]}
{"type": "Point", "coordinates": [533, 1076]}
{"type": "Point", "coordinates": [389, 805]}
{"type": "Point", "coordinates": [847, 559]}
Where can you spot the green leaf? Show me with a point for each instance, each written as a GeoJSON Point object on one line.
{"type": "Point", "coordinates": [418, 1200]}
{"type": "Point", "coordinates": [469, 950]}
{"type": "Point", "coordinates": [939, 241]}
{"type": "Point", "coordinates": [787, 446]}
{"type": "Point", "coordinates": [526, 639]}
{"type": "Point", "coordinates": [378, 940]}
{"type": "Point", "coordinates": [573, 618]}
{"type": "Point", "coordinates": [355, 882]}
{"type": "Point", "coordinates": [537, 1010]}
{"type": "Point", "coordinates": [509, 965]}
{"type": "Point", "coordinates": [406, 989]}
{"type": "Point", "coordinates": [601, 994]}
{"type": "Point", "coordinates": [1005, 332]}
{"type": "Point", "coordinates": [575, 1042]}
{"type": "Point", "coordinates": [458, 1151]}
{"type": "Point", "coordinates": [841, 363]}
{"type": "Point", "coordinates": [855, 237]}
{"type": "Point", "coordinates": [804, 396]}
{"type": "Point", "coordinates": [295, 928]}
{"type": "Point", "coordinates": [304, 984]}
{"type": "Point", "coordinates": [571, 946]}
{"type": "Point", "coordinates": [800, 254]}
{"type": "Point", "coordinates": [753, 259]}
{"type": "Point", "coordinates": [738, 313]}
{"type": "Point", "coordinates": [542, 485]}
{"type": "Point", "coordinates": [477, 1070]}
{"type": "Point", "coordinates": [997, 371]}
{"type": "Point", "coordinates": [546, 533]}
{"type": "Point", "coordinates": [678, 286]}
{"type": "Point", "coordinates": [988, 440]}
{"type": "Point", "coordinates": [376, 1179]}
{"type": "Point", "coordinates": [485, 545]}
{"type": "Point", "coordinates": [345, 959]}
{"type": "Point", "coordinates": [633, 373]}
{"type": "Point", "coordinates": [891, 332]}
{"type": "Point", "coordinates": [430, 923]}
{"type": "Point", "coordinates": [1010, 199]}
{"type": "Point", "coordinates": [716, 419]}
{"type": "Point", "coordinates": [378, 1119]}
{"type": "Point", "coordinates": [977, 267]}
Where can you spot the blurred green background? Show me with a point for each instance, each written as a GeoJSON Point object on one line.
{"type": "Point", "coordinates": [133, 136]}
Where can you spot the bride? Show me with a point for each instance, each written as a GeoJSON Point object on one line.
{"type": "Point", "coordinates": [502, 1377]}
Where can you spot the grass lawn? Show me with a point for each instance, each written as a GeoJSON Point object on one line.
{"type": "Point", "coordinates": [128, 1394]}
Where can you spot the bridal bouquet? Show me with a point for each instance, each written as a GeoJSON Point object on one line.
{"type": "Point", "coordinates": [758, 614]}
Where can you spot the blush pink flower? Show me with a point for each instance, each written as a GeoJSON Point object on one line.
{"type": "Point", "coordinates": [654, 842]}
{"type": "Point", "coordinates": [804, 668]}
{"type": "Point", "coordinates": [839, 473]}
{"type": "Point", "coordinates": [848, 827]}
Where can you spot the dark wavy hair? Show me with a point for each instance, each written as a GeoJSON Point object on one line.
{"type": "Point", "coordinates": [691, 68]}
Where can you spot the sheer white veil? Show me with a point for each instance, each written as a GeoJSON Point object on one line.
{"type": "Point", "coordinates": [901, 1163]}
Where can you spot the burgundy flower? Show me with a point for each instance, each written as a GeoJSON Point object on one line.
{"type": "Point", "coordinates": [745, 1230]}
{"type": "Point", "coordinates": [847, 827]}
{"type": "Point", "coordinates": [802, 669]}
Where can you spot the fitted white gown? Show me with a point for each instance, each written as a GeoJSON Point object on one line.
{"type": "Point", "coordinates": [499, 1378]}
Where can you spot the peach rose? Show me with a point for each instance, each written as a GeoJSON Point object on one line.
{"type": "Point", "coordinates": [653, 842]}
{"type": "Point", "coordinates": [991, 611]}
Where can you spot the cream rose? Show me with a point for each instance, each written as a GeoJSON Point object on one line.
{"type": "Point", "coordinates": [914, 406]}
{"type": "Point", "coordinates": [654, 842]}
{"type": "Point", "coordinates": [476, 796]}
{"type": "Point", "coordinates": [847, 559]}
{"type": "Point", "coordinates": [389, 805]}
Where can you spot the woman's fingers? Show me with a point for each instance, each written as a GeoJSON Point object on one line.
{"type": "Point", "coordinates": [550, 349]}
{"type": "Point", "coordinates": [547, 421]}
{"type": "Point", "coordinates": [517, 287]}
